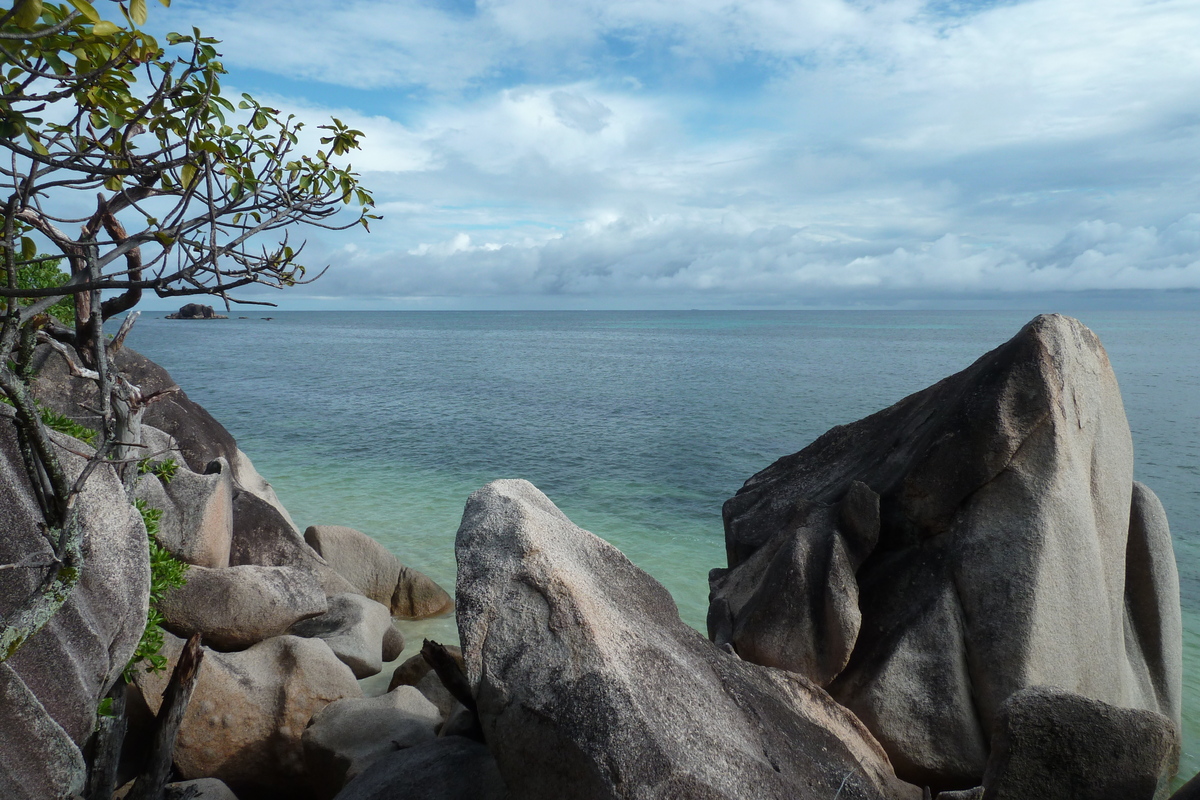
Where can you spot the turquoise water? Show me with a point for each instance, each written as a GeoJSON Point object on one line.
{"type": "Point", "coordinates": [637, 424]}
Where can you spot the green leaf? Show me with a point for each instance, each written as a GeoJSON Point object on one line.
{"type": "Point", "coordinates": [27, 16]}
{"type": "Point", "coordinates": [28, 248]}
{"type": "Point", "coordinates": [166, 3]}
{"type": "Point", "coordinates": [187, 175]}
{"type": "Point", "coordinates": [104, 28]}
{"type": "Point", "coordinates": [137, 11]}
{"type": "Point", "coordinates": [85, 8]}
{"type": "Point", "coordinates": [113, 183]}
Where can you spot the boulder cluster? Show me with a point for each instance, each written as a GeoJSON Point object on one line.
{"type": "Point", "coordinates": [289, 622]}
{"type": "Point", "coordinates": [965, 596]}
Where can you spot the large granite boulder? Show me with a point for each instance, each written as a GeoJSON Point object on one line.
{"type": "Point", "coordinates": [378, 574]}
{"type": "Point", "coordinates": [37, 758]}
{"type": "Point", "coordinates": [71, 662]}
{"type": "Point", "coordinates": [249, 710]}
{"type": "Point", "coordinates": [977, 538]}
{"type": "Point", "coordinates": [236, 607]}
{"type": "Point", "coordinates": [588, 684]}
{"type": "Point", "coordinates": [262, 536]}
{"type": "Point", "coordinates": [347, 736]}
{"type": "Point", "coordinates": [1051, 743]}
{"type": "Point", "coordinates": [452, 768]}
{"type": "Point", "coordinates": [199, 437]}
{"type": "Point", "coordinates": [355, 628]}
{"type": "Point", "coordinates": [197, 519]}
{"type": "Point", "coordinates": [250, 481]}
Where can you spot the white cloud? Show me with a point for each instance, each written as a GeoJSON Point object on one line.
{"type": "Point", "coordinates": [753, 148]}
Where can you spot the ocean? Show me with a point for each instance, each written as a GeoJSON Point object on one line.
{"type": "Point", "coordinates": [638, 425]}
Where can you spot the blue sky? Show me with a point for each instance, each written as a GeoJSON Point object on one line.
{"type": "Point", "coordinates": [741, 153]}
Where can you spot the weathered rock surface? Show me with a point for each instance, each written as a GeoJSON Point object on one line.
{"type": "Point", "coordinates": [235, 607]}
{"type": "Point", "coordinates": [75, 657]}
{"type": "Point", "coordinates": [39, 759]}
{"type": "Point", "coordinates": [393, 643]}
{"type": "Point", "coordinates": [589, 686]}
{"type": "Point", "coordinates": [451, 768]}
{"type": "Point", "coordinates": [249, 710]}
{"type": "Point", "coordinates": [378, 574]}
{"type": "Point", "coordinates": [347, 736]}
{"type": "Point", "coordinates": [201, 438]}
{"type": "Point", "coordinates": [979, 537]}
{"type": "Point", "coordinates": [262, 536]}
{"type": "Point", "coordinates": [249, 480]}
{"type": "Point", "coordinates": [197, 518]}
{"type": "Point", "coordinates": [354, 627]}
{"type": "Point", "coordinates": [1051, 743]}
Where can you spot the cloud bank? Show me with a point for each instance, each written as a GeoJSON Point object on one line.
{"type": "Point", "coordinates": [745, 153]}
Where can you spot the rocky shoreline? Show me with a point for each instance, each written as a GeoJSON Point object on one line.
{"type": "Point", "coordinates": [964, 595]}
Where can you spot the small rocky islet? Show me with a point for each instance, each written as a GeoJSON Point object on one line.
{"type": "Point", "coordinates": [965, 595]}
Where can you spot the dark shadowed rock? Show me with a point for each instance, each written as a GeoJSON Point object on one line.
{"type": "Point", "coordinates": [69, 664]}
{"type": "Point", "coordinates": [378, 574]}
{"type": "Point", "coordinates": [588, 685]}
{"type": "Point", "coordinates": [249, 710]}
{"type": "Point", "coordinates": [200, 437]}
{"type": "Point", "coordinates": [977, 537]}
{"type": "Point", "coordinates": [262, 536]}
{"type": "Point", "coordinates": [452, 768]}
{"type": "Point", "coordinates": [249, 480]}
{"type": "Point", "coordinates": [235, 607]}
{"type": "Point", "coordinates": [347, 736]}
{"type": "Point", "coordinates": [196, 311]}
{"type": "Point", "coordinates": [1052, 743]}
{"type": "Point", "coordinates": [354, 627]}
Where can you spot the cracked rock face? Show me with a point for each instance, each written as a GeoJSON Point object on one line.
{"type": "Point", "coordinates": [977, 538]}
{"type": "Point", "coordinates": [588, 684]}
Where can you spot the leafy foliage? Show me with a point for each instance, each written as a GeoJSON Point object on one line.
{"type": "Point", "coordinates": [164, 470]}
{"type": "Point", "coordinates": [187, 177]}
{"type": "Point", "coordinates": [43, 272]}
{"type": "Point", "coordinates": [166, 573]}
{"type": "Point", "coordinates": [61, 423]}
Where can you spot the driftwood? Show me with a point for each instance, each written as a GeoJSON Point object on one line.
{"type": "Point", "coordinates": [151, 783]}
{"type": "Point", "coordinates": [449, 673]}
{"type": "Point", "coordinates": [106, 745]}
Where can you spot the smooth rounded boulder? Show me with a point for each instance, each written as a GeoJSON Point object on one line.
{"type": "Point", "coordinates": [249, 710]}
{"type": "Point", "coordinates": [378, 574]}
{"type": "Point", "coordinates": [355, 628]}
{"type": "Point", "coordinates": [347, 736]}
{"type": "Point", "coordinates": [588, 685]}
{"type": "Point", "coordinates": [235, 607]}
{"type": "Point", "coordinates": [976, 538]}
{"type": "Point", "coordinates": [262, 536]}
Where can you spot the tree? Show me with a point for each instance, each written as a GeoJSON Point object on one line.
{"type": "Point", "coordinates": [174, 189]}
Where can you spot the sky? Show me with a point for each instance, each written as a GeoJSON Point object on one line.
{"type": "Point", "coordinates": [742, 153]}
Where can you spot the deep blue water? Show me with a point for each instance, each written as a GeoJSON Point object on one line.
{"type": "Point", "coordinates": [637, 424]}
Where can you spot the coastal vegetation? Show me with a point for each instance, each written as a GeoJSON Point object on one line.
{"type": "Point", "coordinates": [176, 187]}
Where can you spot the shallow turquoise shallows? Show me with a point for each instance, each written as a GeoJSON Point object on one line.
{"type": "Point", "coordinates": [637, 424]}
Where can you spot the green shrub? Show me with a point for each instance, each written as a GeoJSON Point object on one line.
{"type": "Point", "coordinates": [43, 275]}
{"type": "Point", "coordinates": [164, 470]}
{"type": "Point", "coordinates": [166, 573]}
